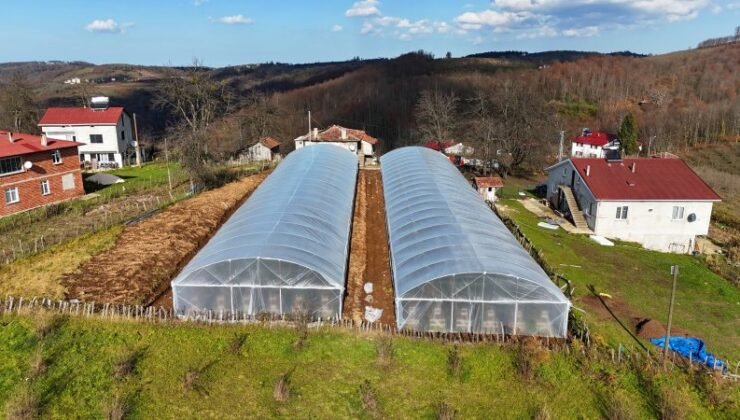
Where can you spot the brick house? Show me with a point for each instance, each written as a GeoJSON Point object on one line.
{"type": "Point", "coordinates": [37, 170]}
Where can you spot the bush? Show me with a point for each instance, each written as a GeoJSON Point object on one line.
{"type": "Point", "coordinates": [454, 363]}
{"type": "Point", "coordinates": [127, 364]}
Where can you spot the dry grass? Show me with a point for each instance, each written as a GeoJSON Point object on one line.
{"type": "Point", "coordinates": [237, 343]}
{"type": "Point", "coordinates": [369, 399]}
{"type": "Point", "coordinates": [282, 390]}
{"type": "Point", "coordinates": [148, 254]}
{"type": "Point", "coordinates": [384, 350]}
{"type": "Point", "coordinates": [444, 411]}
{"type": "Point", "coordinates": [41, 274]}
{"type": "Point", "coordinates": [117, 408]}
{"type": "Point", "coordinates": [22, 406]}
{"type": "Point", "coordinates": [126, 365]}
{"type": "Point", "coordinates": [529, 357]}
{"type": "Point", "coordinates": [454, 363]}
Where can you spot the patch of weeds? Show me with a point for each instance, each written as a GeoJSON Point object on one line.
{"type": "Point", "coordinates": [37, 366]}
{"type": "Point", "coordinates": [237, 342]}
{"type": "Point", "coordinates": [126, 365]}
{"type": "Point", "coordinates": [192, 380]}
{"type": "Point", "coordinates": [384, 350]}
{"type": "Point", "coordinates": [616, 405]}
{"type": "Point", "coordinates": [22, 406]}
{"type": "Point", "coordinates": [369, 399]}
{"type": "Point", "coordinates": [444, 411]}
{"type": "Point", "coordinates": [454, 363]}
{"type": "Point", "coordinates": [117, 408]}
{"type": "Point", "coordinates": [47, 324]}
{"type": "Point", "coordinates": [301, 323]}
{"type": "Point", "coordinates": [529, 357]}
{"type": "Point", "coordinates": [282, 390]}
{"type": "Point", "coordinates": [542, 413]}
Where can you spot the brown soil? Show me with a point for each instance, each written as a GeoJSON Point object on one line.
{"type": "Point", "coordinates": [149, 254]}
{"type": "Point", "coordinates": [369, 259]}
{"type": "Point", "coordinates": [650, 328]}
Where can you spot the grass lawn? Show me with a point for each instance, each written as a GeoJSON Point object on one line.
{"type": "Point", "coordinates": [148, 176]}
{"type": "Point", "coordinates": [188, 370]}
{"type": "Point", "coordinates": [707, 305]}
{"type": "Point", "coordinates": [40, 274]}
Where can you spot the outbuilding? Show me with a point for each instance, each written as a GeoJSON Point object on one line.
{"type": "Point", "coordinates": [487, 186]}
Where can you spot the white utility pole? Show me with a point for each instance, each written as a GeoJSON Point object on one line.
{"type": "Point", "coordinates": [674, 271]}
{"type": "Point", "coordinates": [560, 150]}
{"type": "Point", "coordinates": [309, 124]}
{"type": "Point", "coordinates": [136, 143]}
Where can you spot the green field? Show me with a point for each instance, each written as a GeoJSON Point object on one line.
{"type": "Point", "coordinates": [74, 367]}
{"type": "Point", "coordinates": [707, 305]}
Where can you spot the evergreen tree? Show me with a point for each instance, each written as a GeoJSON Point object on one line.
{"type": "Point", "coordinates": [628, 135]}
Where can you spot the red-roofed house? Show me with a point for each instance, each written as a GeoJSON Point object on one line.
{"type": "Point", "coordinates": [37, 170]}
{"type": "Point", "coordinates": [593, 144]}
{"type": "Point", "coordinates": [356, 141]}
{"type": "Point", "coordinates": [105, 133]}
{"type": "Point", "coordinates": [487, 186]}
{"type": "Point", "coordinates": [266, 148]}
{"type": "Point", "coordinates": [660, 203]}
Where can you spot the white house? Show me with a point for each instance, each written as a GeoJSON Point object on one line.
{"type": "Point", "coordinates": [266, 149]}
{"type": "Point", "coordinates": [487, 186]}
{"type": "Point", "coordinates": [356, 141]}
{"type": "Point", "coordinates": [660, 203]}
{"type": "Point", "coordinates": [105, 132]}
{"type": "Point", "coordinates": [593, 144]}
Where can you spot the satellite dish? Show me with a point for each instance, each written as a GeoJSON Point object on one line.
{"type": "Point", "coordinates": [351, 147]}
{"type": "Point", "coordinates": [28, 164]}
{"type": "Point", "coordinates": [692, 217]}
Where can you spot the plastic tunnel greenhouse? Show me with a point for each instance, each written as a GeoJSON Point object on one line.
{"type": "Point", "coordinates": [285, 250]}
{"type": "Point", "coordinates": [456, 267]}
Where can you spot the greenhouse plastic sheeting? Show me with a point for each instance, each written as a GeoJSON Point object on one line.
{"type": "Point", "coordinates": [456, 267]}
{"type": "Point", "coordinates": [285, 250]}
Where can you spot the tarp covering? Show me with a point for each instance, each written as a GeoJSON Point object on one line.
{"type": "Point", "coordinates": [691, 348]}
{"type": "Point", "coordinates": [456, 267]}
{"type": "Point", "coordinates": [285, 250]}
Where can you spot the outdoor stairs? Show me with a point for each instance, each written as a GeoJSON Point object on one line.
{"type": "Point", "coordinates": [575, 212]}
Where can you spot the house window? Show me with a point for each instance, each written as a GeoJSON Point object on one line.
{"type": "Point", "coordinates": [56, 157]}
{"type": "Point", "coordinates": [490, 189]}
{"type": "Point", "coordinates": [111, 158]}
{"type": "Point", "coordinates": [622, 212]}
{"type": "Point", "coordinates": [96, 138]}
{"type": "Point", "coordinates": [677, 213]}
{"type": "Point", "coordinates": [590, 209]}
{"type": "Point", "coordinates": [123, 135]}
{"type": "Point", "coordinates": [45, 188]}
{"type": "Point", "coordinates": [10, 165]}
{"type": "Point", "coordinates": [565, 171]}
{"type": "Point", "coordinates": [11, 195]}
{"type": "Point", "coordinates": [68, 182]}
{"type": "Point", "coordinates": [74, 138]}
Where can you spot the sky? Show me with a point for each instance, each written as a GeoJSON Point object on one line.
{"type": "Point", "coordinates": [231, 32]}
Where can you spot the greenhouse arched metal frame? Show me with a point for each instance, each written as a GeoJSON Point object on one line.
{"type": "Point", "coordinates": [283, 251]}
{"type": "Point", "coordinates": [456, 267]}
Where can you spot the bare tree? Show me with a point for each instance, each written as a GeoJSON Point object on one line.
{"type": "Point", "coordinates": [436, 114]}
{"type": "Point", "coordinates": [194, 96]}
{"type": "Point", "coordinates": [18, 110]}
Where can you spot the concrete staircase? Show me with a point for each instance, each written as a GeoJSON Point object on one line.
{"type": "Point", "coordinates": [576, 214]}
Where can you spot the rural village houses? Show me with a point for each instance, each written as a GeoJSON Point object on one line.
{"type": "Point", "coordinates": [593, 144]}
{"type": "Point", "coordinates": [37, 170]}
{"type": "Point", "coordinates": [356, 141]}
{"type": "Point", "coordinates": [106, 132]}
{"type": "Point", "coordinates": [266, 149]}
{"type": "Point", "coordinates": [660, 203]}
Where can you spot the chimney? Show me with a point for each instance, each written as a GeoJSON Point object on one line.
{"type": "Point", "coordinates": [588, 170]}
{"type": "Point", "coordinates": [44, 140]}
{"type": "Point", "coordinates": [315, 133]}
{"type": "Point", "coordinates": [10, 137]}
{"type": "Point", "coordinates": [634, 167]}
{"type": "Point", "coordinates": [344, 133]}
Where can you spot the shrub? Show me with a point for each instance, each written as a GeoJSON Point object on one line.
{"type": "Point", "coordinates": [529, 357]}
{"type": "Point", "coordinates": [384, 349]}
{"type": "Point", "coordinates": [369, 399]}
{"type": "Point", "coordinates": [617, 406]}
{"type": "Point", "coordinates": [127, 364]}
{"type": "Point", "coordinates": [237, 342]}
{"type": "Point", "coordinates": [282, 390]}
{"type": "Point", "coordinates": [454, 363]}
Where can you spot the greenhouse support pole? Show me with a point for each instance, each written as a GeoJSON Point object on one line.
{"type": "Point", "coordinates": [516, 312]}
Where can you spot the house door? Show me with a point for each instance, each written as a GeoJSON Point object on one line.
{"type": "Point", "coordinates": [572, 178]}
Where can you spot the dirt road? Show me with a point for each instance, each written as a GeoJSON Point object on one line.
{"type": "Point", "coordinates": [147, 255]}
{"type": "Point", "coordinates": [369, 259]}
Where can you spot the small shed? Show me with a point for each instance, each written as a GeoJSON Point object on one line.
{"type": "Point", "coordinates": [487, 186]}
{"type": "Point", "coordinates": [266, 148]}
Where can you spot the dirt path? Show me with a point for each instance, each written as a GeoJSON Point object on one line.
{"type": "Point", "coordinates": [147, 255]}
{"type": "Point", "coordinates": [369, 259]}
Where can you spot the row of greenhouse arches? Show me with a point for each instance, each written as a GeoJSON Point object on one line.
{"type": "Point", "coordinates": [455, 266]}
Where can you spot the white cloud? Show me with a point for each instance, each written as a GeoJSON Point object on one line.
{"type": "Point", "coordinates": [337, 28]}
{"type": "Point", "coordinates": [586, 31]}
{"type": "Point", "coordinates": [234, 20]}
{"type": "Point", "coordinates": [107, 26]}
{"type": "Point", "coordinates": [364, 8]}
{"type": "Point", "coordinates": [199, 2]}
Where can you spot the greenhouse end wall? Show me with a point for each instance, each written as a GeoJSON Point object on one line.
{"type": "Point", "coordinates": [456, 267]}
{"type": "Point", "coordinates": [285, 250]}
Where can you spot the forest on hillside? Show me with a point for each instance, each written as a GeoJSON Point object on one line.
{"type": "Point", "coordinates": [503, 106]}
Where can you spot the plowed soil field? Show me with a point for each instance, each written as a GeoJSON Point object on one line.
{"type": "Point", "coordinates": [148, 254]}
{"type": "Point", "coordinates": [369, 259]}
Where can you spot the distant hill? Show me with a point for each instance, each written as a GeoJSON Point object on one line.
{"type": "Point", "coordinates": [549, 57]}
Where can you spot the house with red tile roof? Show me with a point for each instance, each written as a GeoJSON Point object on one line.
{"type": "Point", "coordinates": [356, 141]}
{"type": "Point", "coordinates": [487, 186]}
{"type": "Point", "coordinates": [37, 170]}
{"type": "Point", "coordinates": [105, 133]}
{"type": "Point", "coordinates": [266, 149]}
{"type": "Point", "coordinates": [659, 202]}
{"type": "Point", "coordinates": [593, 144]}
